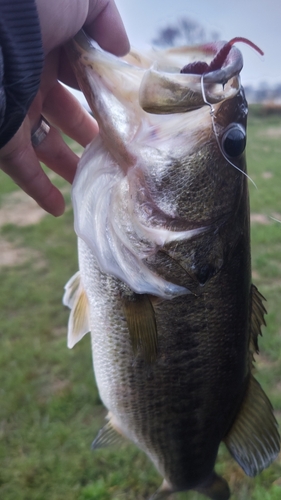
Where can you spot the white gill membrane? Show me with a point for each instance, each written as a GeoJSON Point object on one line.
{"type": "Point", "coordinates": [106, 221]}
{"type": "Point", "coordinates": [102, 191]}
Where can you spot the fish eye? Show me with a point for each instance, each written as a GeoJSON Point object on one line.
{"type": "Point", "coordinates": [234, 140]}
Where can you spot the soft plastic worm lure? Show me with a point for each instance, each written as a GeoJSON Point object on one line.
{"type": "Point", "coordinates": [201, 68]}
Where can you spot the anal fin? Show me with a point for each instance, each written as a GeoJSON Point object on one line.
{"type": "Point", "coordinates": [253, 439]}
{"type": "Point", "coordinates": [141, 323]}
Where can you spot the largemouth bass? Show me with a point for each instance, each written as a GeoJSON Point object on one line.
{"type": "Point", "coordinates": [164, 284]}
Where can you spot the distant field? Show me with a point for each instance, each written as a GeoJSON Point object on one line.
{"type": "Point", "coordinates": [50, 410]}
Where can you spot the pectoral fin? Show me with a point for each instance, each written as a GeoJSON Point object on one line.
{"type": "Point", "coordinates": [253, 439]}
{"type": "Point", "coordinates": [71, 289]}
{"type": "Point", "coordinates": [141, 322]}
{"type": "Point", "coordinates": [76, 299]}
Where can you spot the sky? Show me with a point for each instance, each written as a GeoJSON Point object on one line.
{"type": "Point", "coordinates": [258, 20]}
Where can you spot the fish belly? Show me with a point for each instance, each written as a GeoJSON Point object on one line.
{"type": "Point", "coordinates": [179, 408]}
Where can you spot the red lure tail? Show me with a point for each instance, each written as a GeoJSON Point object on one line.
{"type": "Point", "coordinates": [200, 68]}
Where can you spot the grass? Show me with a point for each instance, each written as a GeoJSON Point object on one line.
{"type": "Point", "coordinates": [50, 409]}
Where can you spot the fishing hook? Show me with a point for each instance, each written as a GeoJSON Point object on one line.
{"type": "Point", "coordinates": [212, 113]}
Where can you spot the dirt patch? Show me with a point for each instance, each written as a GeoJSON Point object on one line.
{"type": "Point", "coordinates": [278, 481]}
{"type": "Point", "coordinates": [276, 217]}
{"type": "Point", "coordinates": [267, 175]}
{"type": "Point", "coordinates": [265, 362]}
{"type": "Point", "coordinates": [11, 255]}
{"type": "Point", "coordinates": [260, 219]}
{"type": "Point", "coordinates": [255, 275]}
{"type": "Point", "coordinates": [20, 210]}
{"type": "Point", "coordinates": [51, 388]}
{"type": "Point", "coordinates": [272, 132]}
{"type": "Point", "coordinates": [60, 386]}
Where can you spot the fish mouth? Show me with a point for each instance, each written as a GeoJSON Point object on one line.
{"type": "Point", "coordinates": [179, 79]}
{"type": "Point", "coordinates": [176, 80]}
{"type": "Point", "coordinates": [211, 76]}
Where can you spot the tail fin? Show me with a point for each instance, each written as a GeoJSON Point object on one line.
{"type": "Point", "coordinates": [216, 488]}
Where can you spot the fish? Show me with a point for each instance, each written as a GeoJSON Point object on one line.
{"type": "Point", "coordinates": [161, 211]}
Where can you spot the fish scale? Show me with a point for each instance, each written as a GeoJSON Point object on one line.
{"type": "Point", "coordinates": [164, 284]}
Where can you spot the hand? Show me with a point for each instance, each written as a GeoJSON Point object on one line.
{"type": "Point", "coordinates": [60, 20]}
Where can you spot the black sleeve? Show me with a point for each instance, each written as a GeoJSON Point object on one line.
{"type": "Point", "coordinates": [21, 63]}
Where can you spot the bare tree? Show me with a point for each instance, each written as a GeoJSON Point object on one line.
{"type": "Point", "coordinates": [186, 31]}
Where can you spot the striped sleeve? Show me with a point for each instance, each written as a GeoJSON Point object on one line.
{"type": "Point", "coordinates": [21, 63]}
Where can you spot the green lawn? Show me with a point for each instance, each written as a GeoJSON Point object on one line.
{"type": "Point", "coordinates": [50, 410]}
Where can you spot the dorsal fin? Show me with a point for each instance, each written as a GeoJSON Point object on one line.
{"type": "Point", "coordinates": [253, 439]}
{"type": "Point", "coordinates": [257, 318]}
{"type": "Point", "coordinates": [79, 319]}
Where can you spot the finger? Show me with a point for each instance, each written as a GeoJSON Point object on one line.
{"type": "Point", "coordinates": [108, 30]}
{"type": "Point", "coordinates": [20, 162]}
{"type": "Point", "coordinates": [63, 110]}
{"type": "Point", "coordinates": [65, 71]}
{"type": "Point", "coordinates": [57, 155]}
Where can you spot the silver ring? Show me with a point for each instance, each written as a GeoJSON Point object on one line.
{"type": "Point", "coordinates": [40, 133]}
